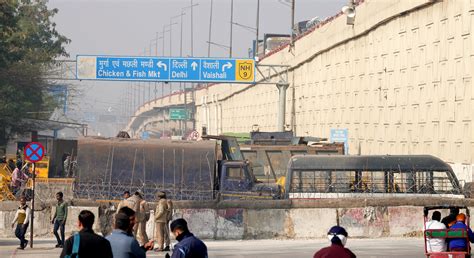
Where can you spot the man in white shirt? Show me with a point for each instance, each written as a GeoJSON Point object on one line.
{"type": "Point", "coordinates": [22, 219]}
{"type": "Point", "coordinates": [435, 244]}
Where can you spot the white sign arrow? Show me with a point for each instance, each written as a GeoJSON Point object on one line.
{"type": "Point", "coordinates": [161, 64]}
{"type": "Point", "coordinates": [227, 66]}
{"type": "Point", "coordinates": [194, 65]}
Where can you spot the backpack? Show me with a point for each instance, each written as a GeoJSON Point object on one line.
{"type": "Point", "coordinates": [75, 247]}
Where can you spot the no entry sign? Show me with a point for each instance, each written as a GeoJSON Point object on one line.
{"type": "Point", "coordinates": [34, 152]}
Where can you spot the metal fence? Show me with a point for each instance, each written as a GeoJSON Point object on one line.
{"type": "Point", "coordinates": [105, 190]}
{"type": "Point", "coordinates": [107, 168]}
{"type": "Point", "coordinates": [426, 182]}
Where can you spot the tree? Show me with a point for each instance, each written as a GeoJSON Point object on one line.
{"type": "Point", "coordinates": [29, 44]}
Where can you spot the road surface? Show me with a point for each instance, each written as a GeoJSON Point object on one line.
{"type": "Point", "coordinates": [380, 247]}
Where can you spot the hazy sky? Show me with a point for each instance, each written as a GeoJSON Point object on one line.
{"type": "Point", "coordinates": [119, 27]}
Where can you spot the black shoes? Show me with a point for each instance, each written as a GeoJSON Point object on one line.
{"type": "Point", "coordinates": [22, 246]}
{"type": "Point", "coordinates": [166, 249]}
{"type": "Point", "coordinates": [59, 246]}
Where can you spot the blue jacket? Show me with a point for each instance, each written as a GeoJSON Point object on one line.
{"type": "Point", "coordinates": [189, 246]}
{"type": "Point", "coordinates": [460, 242]}
{"type": "Point", "coordinates": [125, 246]}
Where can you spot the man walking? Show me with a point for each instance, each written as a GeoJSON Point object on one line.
{"type": "Point", "coordinates": [22, 219]}
{"type": "Point", "coordinates": [90, 244]}
{"type": "Point", "coordinates": [188, 245]}
{"type": "Point", "coordinates": [59, 219]}
{"type": "Point", "coordinates": [161, 218]}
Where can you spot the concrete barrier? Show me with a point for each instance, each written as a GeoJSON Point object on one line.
{"type": "Point", "coordinates": [365, 222]}
{"type": "Point", "coordinates": [267, 223]}
{"type": "Point", "coordinates": [405, 221]}
{"type": "Point", "coordinates": [310, 223]}
{"type": "Point", "coordinates": [229, 221]}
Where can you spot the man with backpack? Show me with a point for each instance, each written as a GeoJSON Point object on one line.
{"type": "Point", "coordinates": [86, 243]}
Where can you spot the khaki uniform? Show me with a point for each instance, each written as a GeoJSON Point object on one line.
{"type": "Point", "coordinates": [120, 205]}
{"type": "Point", "coordinates": [142, 237]}
{"type": "Point", "coordinates": [161, 218]}
{"type": "Point", "coordinates": [133, 202]}
{"type": "Point", "coordinates": [169, 217]}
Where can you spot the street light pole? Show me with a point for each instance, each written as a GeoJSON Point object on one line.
{"type": "Point", "coordinates": [192, 29]}
{"type": "Point", "coordinates": [255, 51]}
{"type": "Point", "coordinates": [163, 54]}
{"type": "Point", "coordinates": [210, 30]}
{"type": "Point", "coordinates": [292, 23]}
{"type": "Point", "coordinates": [181, 55]}
{"type": "Point", "coordinates": [156, 54]}
{"type": "Point", "coordinates": [171, 47]}
{"type": "Point", "coordinates": [231, 25]}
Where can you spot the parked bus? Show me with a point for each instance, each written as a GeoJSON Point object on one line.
{"type": "Point", "coordinates": [316, 176]}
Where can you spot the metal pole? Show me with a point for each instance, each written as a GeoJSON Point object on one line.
{"type": "Point", "coordinates": [163, 54]}
{"type": "Point", "coordinates": [171, 49]}
{"type": "Point", "coordinates": [231, 24]}
{"type": "Point", "coordinates": [33, 206]}
{"type": "Point", "coordinates": [282, 87]}
{"type": "Point", "coordinates": [292, 22]}
{"type": "Point", "coordinates": [156, 54]}
{"type": "Point", "coordinates": [156, 44]}
{"type": "Point", "coordinates": [255, 51]}
{"type": "Point", "coordinates": [144, 84]}
{"type": "Point", "coordinates": [181, 37]}
{"type": "Point", "coordinates": [192, 30]}
{"type": "Point", "coordinates": [149, 83]}
{"type": "Point", "coordinates": [181, 54]}
{"type": "Point", "coordinates": [192, 54]}
{"type": "Point", "coordinates": [210, 30]}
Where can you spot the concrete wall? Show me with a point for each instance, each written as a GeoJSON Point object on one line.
{"type": "Point", "coordinates": [246, 223]}
{"type": "Point", "coordinates": [42, 221]}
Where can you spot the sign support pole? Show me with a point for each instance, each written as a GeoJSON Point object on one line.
{"type": "Point", "coordinates": [281, 105]}
{"type": "Point", "coordinates": [33, 206]}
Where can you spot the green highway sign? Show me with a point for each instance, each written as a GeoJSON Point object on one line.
{"type": "Point", "coordinates": [178, 114]}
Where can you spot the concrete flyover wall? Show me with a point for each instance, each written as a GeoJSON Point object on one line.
{"type": "Point", "coordinates": [400, 80]}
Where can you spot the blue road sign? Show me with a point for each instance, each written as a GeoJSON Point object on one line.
{"type": "Point", "coordinates": [34, 152]}
{"type": "Point", "coordinates": [165, 69]}
{"type": "Point", "coordinates": [340, 135]}
{"type": "Point", "coordinates": [145, 135]}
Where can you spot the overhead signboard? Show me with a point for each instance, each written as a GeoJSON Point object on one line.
{"type": "Point", "coordinates": [178, 114]}
{"type": "Point", "coordinates": [165, 69]}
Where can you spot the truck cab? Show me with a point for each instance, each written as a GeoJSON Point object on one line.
{"type": "Point", "coordinates": [235, 178]}
{"type": "Point", "coordinates": [237, 181]}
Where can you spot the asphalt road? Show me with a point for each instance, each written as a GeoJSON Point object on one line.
{"type": "Point", "coordinates": [380, 247]}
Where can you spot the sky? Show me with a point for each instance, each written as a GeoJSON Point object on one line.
{"type": "Point", "coordinates": [129, 28]}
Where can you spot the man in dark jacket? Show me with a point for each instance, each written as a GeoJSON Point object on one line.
{"type": "Point", "coordinates": [189, 246]}
{"type": "Point", "coordinates": [91, 245]}
{"type": "Point", "coordinates": [338, 237]}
